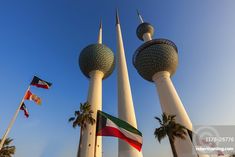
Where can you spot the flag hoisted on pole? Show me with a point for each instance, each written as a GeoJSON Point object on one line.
{"type": "Point", "coordinates": [30, 96]}
{"type": "Point", "coordinates": [107, 125]}
{"type": "Point", "coordinates": [12, 122]}
{"type": "Point", "coordinates": [40, 83]}
{"type": "Point", "coordinates": [24, 108]}
{"type": "Point", "coordinates": [35, 82]}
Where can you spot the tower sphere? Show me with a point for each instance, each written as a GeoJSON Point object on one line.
{"type": "Point", "coordinates": [144, 28]}
{"type": "Point", "coordinates": [154, 56]}
{"type": "Point", "coordinates": [96, 57]}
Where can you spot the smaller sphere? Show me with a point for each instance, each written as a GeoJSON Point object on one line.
{"type": "Point", "coordinates": [96, 57]}
{"type": "Point", "coordinates": [155, 56]}
{"type": "Point", "coordinates": [144, 28]}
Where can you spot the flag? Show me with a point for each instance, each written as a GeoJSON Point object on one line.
{"type": "Point", "coordinates": [40, 83]}
{"type": "Point", "coordinates": [33, 97]}
{"type": "Point", "coordinates": [23, 108]}
{"type": "Point", "coordinates": [108, 125]}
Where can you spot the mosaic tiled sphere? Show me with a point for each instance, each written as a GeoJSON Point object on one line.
{"type": "Point", "coordinates": [155, 56]}
{"type": "Point", "coordinates": [144, 28]}
{"type": "Point", "coordinates": [97, 57]}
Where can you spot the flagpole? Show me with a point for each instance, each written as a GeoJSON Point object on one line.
{"type": "Point", "coordinates": [12, 122]}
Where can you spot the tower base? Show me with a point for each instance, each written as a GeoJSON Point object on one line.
{"type": "Point", "coordinates": [171, 104]}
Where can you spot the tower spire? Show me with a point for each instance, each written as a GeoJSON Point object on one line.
{"type": "Point", "coordinates": [157, 61]}
{"type": "Point", "coordinates": [126, 109]}
{"type": "Point", "coordinates": [140, 17]}
{"type": "Point", "coordinates": [117, 17]}
{"type": "Point", "coordinates": [96, 62]}
{"type": "Point", "coordinates": [145, 30]}
{"type": "Point", "coordinates": [100, 33]}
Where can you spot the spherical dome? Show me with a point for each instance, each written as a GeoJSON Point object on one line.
{"type": "Point", "coordinates": [155, 56]}
{"type": "Point", "coordinates": [144, 28]}
{"type": "Point", "coordinates": [96, 57]}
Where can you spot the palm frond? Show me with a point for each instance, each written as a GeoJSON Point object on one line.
{"type": "Point", "coordinates": [159, 120]}
{"type": "Point", "coordinates": [71, 119]}
{"type": "Point", "coordinates": [7, 150]}
{"type": "Point", "coordinates": [76, 113]}
{"type": "Point", "coordinates": [171, 117]}
{"type": "Point", "coordinates": [83, 117]}
{"type": "Point", "coordinates": [169, 128]}
{"type": "Point", "coordinates": [160, 133]}
{"type": "Point", "coordinates": [164, 118]}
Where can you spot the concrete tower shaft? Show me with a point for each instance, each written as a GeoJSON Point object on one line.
{"type": "Point", "coordinates": [126, 109]}
{"type": "Point", "coordinates": [96, 62]}
{"type": "Point", "coordinates": [156, 61]}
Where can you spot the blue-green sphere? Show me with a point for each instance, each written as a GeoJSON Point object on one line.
{"type": "Point", "coordinates": [155, 56]}
{"type": "Point", "coordinates": [97, 57]}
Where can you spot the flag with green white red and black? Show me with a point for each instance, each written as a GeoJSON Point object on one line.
{"type": "Point", "coordinates": [108, 125]}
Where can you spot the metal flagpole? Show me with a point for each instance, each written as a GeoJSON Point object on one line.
{"type": "Point", "coordinates": [12, 122]}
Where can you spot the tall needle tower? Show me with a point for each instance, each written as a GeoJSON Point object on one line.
{"type": "Point", "coordinates": [126, 109]}
{"type": "Point", "coordinates": [96, 62]}
{"type": "Point", "coordinates": [156, 61]}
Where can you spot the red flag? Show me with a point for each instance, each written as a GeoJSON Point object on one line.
{"type": "Point", "coordinates": [30, 96]}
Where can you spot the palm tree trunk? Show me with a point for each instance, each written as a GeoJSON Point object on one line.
{"type": "Point", "coordinates": [80, 143]}
{"type": "Point", "coordinates": [173, 147]}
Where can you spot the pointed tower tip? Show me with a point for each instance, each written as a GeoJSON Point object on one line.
{"type": "Point", "coordinates": [100, 33]}
{"type": "Point", "coordinates": [138, 13]}
{"type": "Point", "coordinates": [100, 23]}
{"type": "Point", "coordinates": [140, 17]}
{"type": "Point", "coordinates": [117, 17]}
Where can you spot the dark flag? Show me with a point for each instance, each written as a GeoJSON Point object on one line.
{"type": "Point", "coordinates": [40, 83]}
{"type": "Point", "coordinates": [23, 108]}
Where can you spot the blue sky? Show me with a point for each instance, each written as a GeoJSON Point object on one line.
{"type": "Point", "coordinates": [45, 37]}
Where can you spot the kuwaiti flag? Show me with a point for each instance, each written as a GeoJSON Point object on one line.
{"type": "Point", "coordinates": [108, 125]}
{"type": "Point", "coordinates": [40, 83]}
{"type": "Point", "coordinates": [23, 108]}
{"type": "Point", "coordinates": [30, 96]}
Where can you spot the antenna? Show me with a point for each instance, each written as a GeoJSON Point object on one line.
{"type": "Point", "coordinates": [117, 17]}
{"type": "Point", "coordinates": [140, 17]}
{"type": "Point", "coordinates": [100, 33]}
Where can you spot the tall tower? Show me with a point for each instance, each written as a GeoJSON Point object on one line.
{"type": "Point", "coordinates": [96, 62]}
{"type": "Point", "coordinates": [156, 61]}
{"type": "Point", "coordinates": [126, 110]}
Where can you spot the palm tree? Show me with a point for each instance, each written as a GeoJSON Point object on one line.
{"type": "Point", "coordinates": [168, 127]}
{"type": "Point", "coordinates": [82, 118]}
{"type": "Point", "coordinates": [7, 150]}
